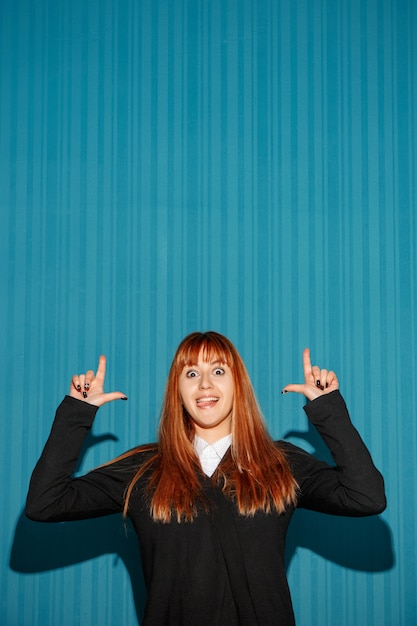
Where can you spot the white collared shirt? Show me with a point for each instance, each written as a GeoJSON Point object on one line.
{"type": "Point", "coordinates": [210, 455]}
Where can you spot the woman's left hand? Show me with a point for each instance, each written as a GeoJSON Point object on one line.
{"type": "Point", "coordinates": [317, 381]}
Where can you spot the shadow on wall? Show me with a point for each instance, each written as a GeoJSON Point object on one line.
{"type": "Point", "coordinates": [363, 544]}
{"type": "Point", "coordinates": [41, 547]}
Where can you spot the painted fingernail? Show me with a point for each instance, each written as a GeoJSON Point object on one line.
{"type": "Point", "coordinates": [327, 384]}
{"type": "Point", "coordinates": [124, 398]}
{"type": "Point", "coordinates": [87, 386]}
{"type": "Point", "coordinates": [78, 387]}
{"type": "Point", "coordinates": [84, 394]}
{"type": "Point", "coordinates": [318, 383]}
{"type": "Point", "coordinates": [284, 391]}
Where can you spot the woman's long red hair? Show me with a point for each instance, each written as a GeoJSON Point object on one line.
{"type": "Point", "coordinates": [256, 474]}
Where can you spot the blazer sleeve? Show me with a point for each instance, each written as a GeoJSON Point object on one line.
{"type": "Point", "coordinates": [54, 493]}
{"type": "Point", "coordinates": [353, 486]}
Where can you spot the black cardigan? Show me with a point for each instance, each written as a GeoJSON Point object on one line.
{"type": "Point", "coordinates": [222, 569]}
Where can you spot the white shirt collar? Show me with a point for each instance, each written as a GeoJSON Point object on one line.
{"type": "Point", "coordinates": [210, 455]}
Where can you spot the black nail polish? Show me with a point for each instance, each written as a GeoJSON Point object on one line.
{"type": "Point", "coordinates": [78, 387]}
{"type": "Point", "coordinates": [87, 386]}
{"type": "Point", "coordinates": [84, 394]}
{"type": "Point", "coordinates": [124, 398]}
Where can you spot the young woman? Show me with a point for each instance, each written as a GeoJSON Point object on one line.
{"type": "Point", "coordinates": [212, 500]}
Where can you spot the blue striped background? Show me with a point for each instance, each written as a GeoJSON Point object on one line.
{"type": "Point", "coordinates": [247, 166]}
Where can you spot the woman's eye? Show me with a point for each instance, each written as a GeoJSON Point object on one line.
{"type": "Point", "coordinates": [191, 374]}
{"type": "Point", "coordinates": [219, 371]}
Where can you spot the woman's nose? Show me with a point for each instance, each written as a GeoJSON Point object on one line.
{"type": "Point", "coordinates": [205, 382]}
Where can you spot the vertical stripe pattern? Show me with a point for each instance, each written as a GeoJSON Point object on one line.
{"type": "Point", "coordinates": [247, 166]}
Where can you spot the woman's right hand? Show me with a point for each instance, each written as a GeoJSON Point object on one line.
{"type": "Point", "coordinates": [89, 387]}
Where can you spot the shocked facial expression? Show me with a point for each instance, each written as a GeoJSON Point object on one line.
{"type": "Point", "coordinates": [207, 391]}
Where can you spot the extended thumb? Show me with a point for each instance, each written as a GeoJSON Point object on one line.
{"type": "Point", "coordinates": [293, 389]}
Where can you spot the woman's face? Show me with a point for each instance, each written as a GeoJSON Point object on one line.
{"type": "Point", "coordinates": [207, 391]}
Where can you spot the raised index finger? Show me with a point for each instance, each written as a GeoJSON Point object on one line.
{"type": "Point", "coordinates": [307, 363]}
{"type": "Point", "coordinates": [101, 369]}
